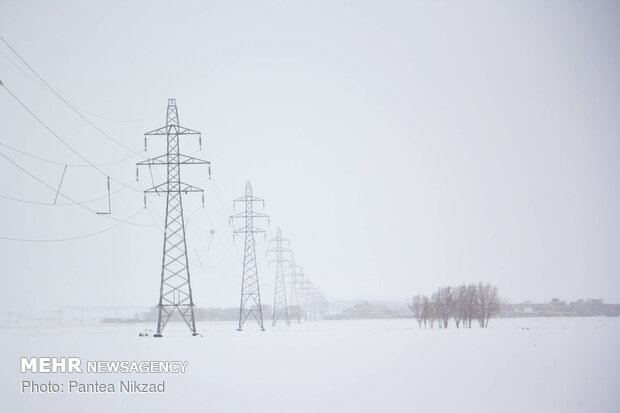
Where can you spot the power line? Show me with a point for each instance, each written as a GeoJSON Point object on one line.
{"type": "Point", "coordinates": [92, 234]}
{"type": "Point", "coordinates": [73, 165]}
{"type": "Point", "coordinates": [151, 215]}
{"type": "Point", "coordinates": [113, 119]}
{"type": "Point", "coordinates": [234, 255]}
{"type": "Point", "coordinates": [59, 138]}
{"type": "Point", "coordinates": [67, 103]}
{"type": "Point", "coordinates": [123, 185]}
{"type": "Point", "coordinates": [225, 209]}
{"type": "Point", "coordinates": [220, 197]}
{"type": "Point", "coordinates": [23, 71]}
{"type": "Point", "coordinates": [65, 196]}
{"type": "Point", "coordinates": [88, 201]}
{"type": "Point", "coordinates": [64, 171]}
{"type": "Point", "coordinates": [38, 83]}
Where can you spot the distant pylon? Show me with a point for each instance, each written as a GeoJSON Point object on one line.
{"type": "Point", "coordinates": [311, 297]}
{"type": "Point", "coordinates": [306, 292]}
{"type": "Point", "coordinates": [250, 291]}
{"type": "Point", "coordinates": [280, 307]}
{"type": "Point", "coordinates": [295, 277]}
{"type": "Point", "coordinates": [175, 291]}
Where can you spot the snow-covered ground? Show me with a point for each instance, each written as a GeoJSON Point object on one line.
{"type": "Point", "coordinates": [517, 365]}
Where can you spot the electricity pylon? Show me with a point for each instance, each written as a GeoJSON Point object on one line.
{"type": "Point", "coordinates": [295, 277]}
{"type": "Point", "coordinates": [250, 291]}
{"type": "Point", "coordinates": [175, 291]}
{"type": "Point", "coordinates": [280, 308]}
{"type": "Point", "coordinates": [306, 294]}
{"type": "Point", "coordinates": [312, 298]}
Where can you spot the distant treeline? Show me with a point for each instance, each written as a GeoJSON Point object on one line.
{"type": "Point", "coordinates": [463, 304]}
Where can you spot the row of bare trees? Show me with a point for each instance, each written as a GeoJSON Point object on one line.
{"type": "Point", "coordinates": [463, 304]}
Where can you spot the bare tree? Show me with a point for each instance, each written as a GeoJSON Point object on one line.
{"type": "Point", "coordinates": [428, 311]}
{"type": "Point", "coordinates": [458, 314]}
{"type": "Point", "coordinates": [470, 305]}
{"type": "Point", "coordinates": [436, 305]}
{"type": "Point", "coordinates": [488, 303]}
{"type": "Point", "coordinates": [463, 304]}
{"type": "Point", "coordinates": [444, 302]}
{"type": "Point", "coordinates": [417, 306]}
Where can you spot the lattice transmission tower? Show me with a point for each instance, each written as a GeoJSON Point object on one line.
{"type": "Point", "coordinates": [312, 300]}
{"type": "Point", "coordinates": [295, 279]}
{"type": "Point", "coordinates": [306, 293]}
{"type": "Point", "coordinates": [175, 293]}
{"type": "Point", "coordinates": [250, 290]}
{"type": "Point", "coordinates": [280, 251]}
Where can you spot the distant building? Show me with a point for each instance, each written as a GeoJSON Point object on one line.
{"type": "Point", "coordinates": [558, 308]}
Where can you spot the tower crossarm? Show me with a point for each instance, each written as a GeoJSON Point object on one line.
{"type": "Point", "coordinates": [245, 230]}
{"type": "Point", "coordinates": [306, 285]}
{"type": "Point", "coordinates": [165, 187]}
{"type": "Point", "coordinates": [250, 214]}
{"type": "Point", "coordinates": [281, 242]}
{"type": "Point", "coordinates": [276, 250]}
{"type": "Point", "coordinates": [283, 260]}
{"type": "Point", "coordinates": [249, 199]}
{"type": "Point", "coordinates": [176, 130]}
{"type": "Point", "coordinates": [182, 160]}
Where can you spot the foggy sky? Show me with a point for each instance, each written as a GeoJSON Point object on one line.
{"type": "Point", "coordinates": [401, 146]}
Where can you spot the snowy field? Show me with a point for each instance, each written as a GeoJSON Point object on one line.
{"type": "Point", "coordinates": [517, 365]}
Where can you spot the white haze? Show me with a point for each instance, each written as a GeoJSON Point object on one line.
{"type": "Point", "coordinates": [401, 146]}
